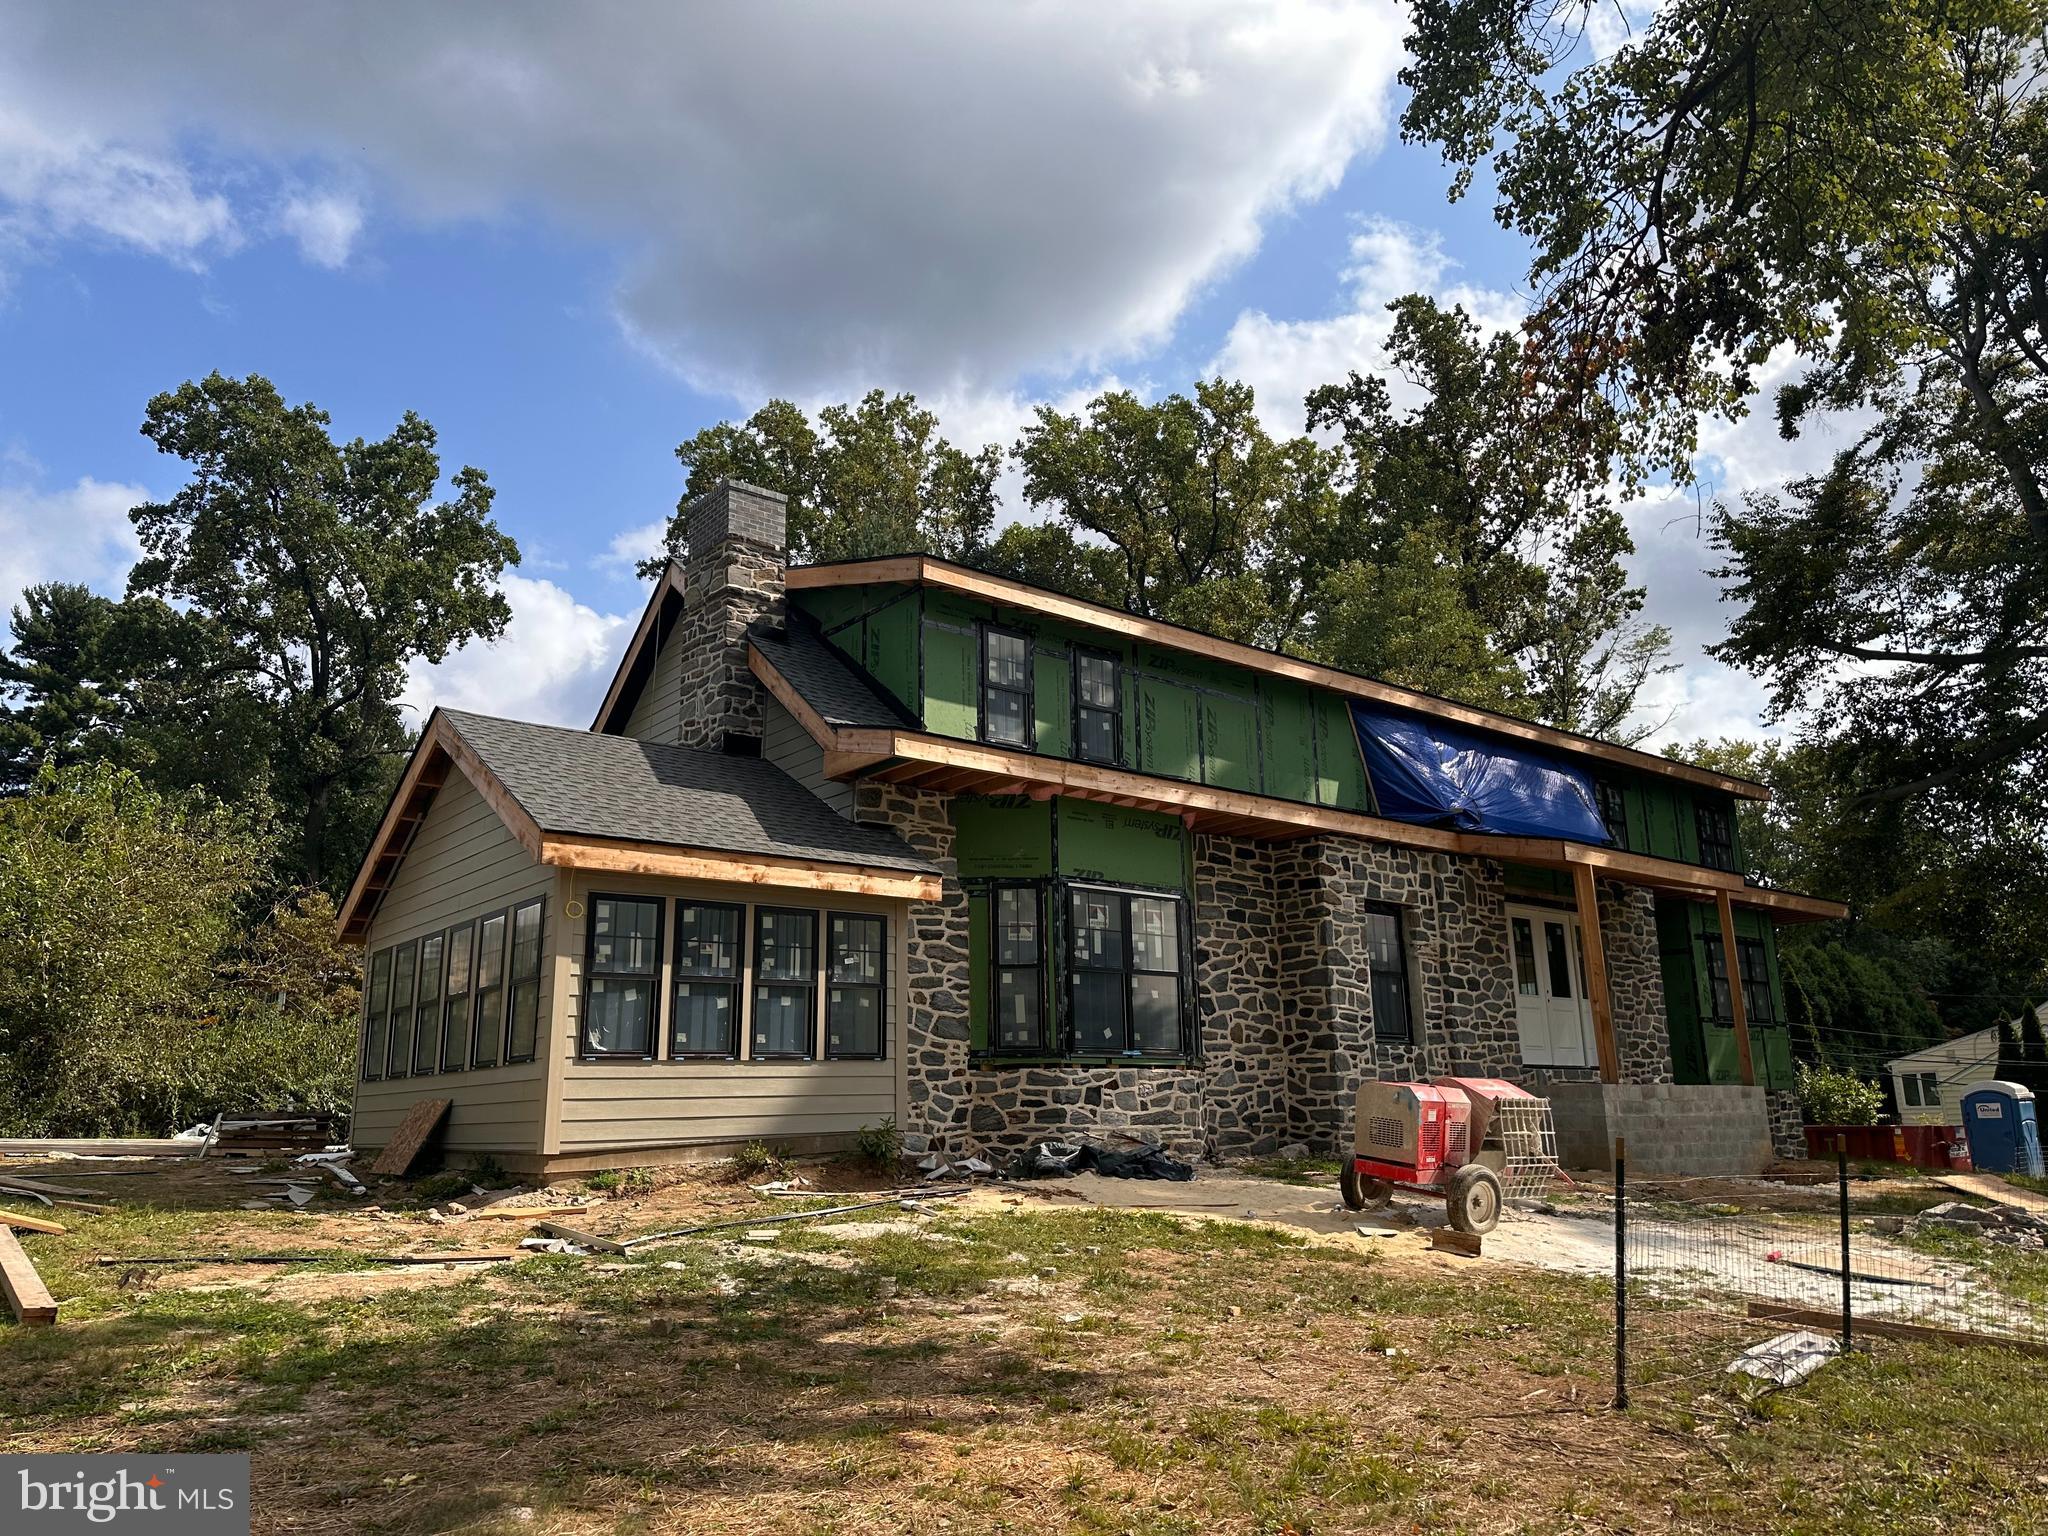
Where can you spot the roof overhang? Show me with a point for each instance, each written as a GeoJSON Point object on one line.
{"type": "Point", "coordinates": [657, 622]}
{"type": "Point", "coordinates": [933, 572]}
{"type": "Point", "coordinates": [441, 751]}
{"type": "Point", "coordinates": [920, 760]}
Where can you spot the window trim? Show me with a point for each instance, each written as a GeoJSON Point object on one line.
{"type": "Point", "coordinates": [513, 981]}
{"type": "Point", "coordinates": [1930, 1090]}
{"type": "Point", "coordinates": [392, 1067]}
{"type": "Point", "coordinates": [1115, 712]}
{"type": "Point", "coordinates": [1048, 1025]}
{"type": "Point", "coordinates": [1129, 972]}
{"type": "Point", "coordinates": [438, 938]}
{"type": "Point", "coordinates": [879, 986]}
{"type": "Point", "coordinates": [1717, 957]}
{"type": "Point", "coordinates": [1399, 914]}
{"type": "Point", "coordinates": [481, 1028]}
{"type": "Point", "coordinates": [737, 982]}
{"type": "Point", "coordinates": [984, 628]}
{"type": "Point", "coordinates": [1603, 791]}
{"type": "Point", "coordinates": [584, 1052]}
{"type": "Point", "coordinates": [1910, 1091]}
{"type": "Point", "coordinates": [758, 985]}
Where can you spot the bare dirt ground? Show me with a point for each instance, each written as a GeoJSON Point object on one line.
{"type": "Point", "coordinates": [1089, 1355]}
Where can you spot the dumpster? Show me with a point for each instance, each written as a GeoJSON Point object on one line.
{"type": "Point", "coordinates": [1998, 1119]}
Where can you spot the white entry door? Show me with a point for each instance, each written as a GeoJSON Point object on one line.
{"type": "Point", "coordinates": [1551, 1010]}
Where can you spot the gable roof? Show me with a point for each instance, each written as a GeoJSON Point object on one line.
{"type": "Point", "coordinates": [658, 621]}
{"type": "Point", "coordinates": [585, 800]}
{"type": "Point", "coordinates": [929, 570]}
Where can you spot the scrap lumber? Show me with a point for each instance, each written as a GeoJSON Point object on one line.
{"type": "Point", "coordinates": [527, 1212]}
{"type": "Point", "coordinates": [420, 1123]}
{"type": "Point", "coordinates": [30, 1223]}
{"type": "Point", "coordinates": [1815, 1317]}
{"type": "Point", "coordinates": [39, 1186]}
{"type": "Point", "coordinates": [580, 1238]}
{"type": "Point", "coordinates": [1451, 1240]}
{"type": "Point", "coordinates": [765, 1221]}
{"type": "Point", "coordinates": [99, 1146]}
{"type": "Point", "coordinates": [30, 1299]}
{"type": "Point", "coordinates": [495, 1256]}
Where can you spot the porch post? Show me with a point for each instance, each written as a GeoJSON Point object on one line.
{"type": "Point", "coordinates": [1596, 973]}
{"type": "Point", "coordinates": [1737, 1004]}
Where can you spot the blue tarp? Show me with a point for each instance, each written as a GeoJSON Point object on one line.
{"type": "Point", "coordinates": [1439, 775]}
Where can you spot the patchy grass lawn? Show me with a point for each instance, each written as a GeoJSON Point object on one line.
{"type": "Point", "coordinates": [996, 1367]}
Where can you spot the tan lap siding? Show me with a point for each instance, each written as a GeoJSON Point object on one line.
{"type": "Point", "coordinates": [658, 715]}
{"type": "Point", "coordinates": [623, 1105]}
{"type": "Point", "coordinates": [464, 864]}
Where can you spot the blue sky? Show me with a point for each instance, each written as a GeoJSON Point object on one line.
{"type": "Point", "coordinates": [571, 246]}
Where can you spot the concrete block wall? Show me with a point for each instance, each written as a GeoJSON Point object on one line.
{"type": "Point", "coordinates": [1673, 1129]}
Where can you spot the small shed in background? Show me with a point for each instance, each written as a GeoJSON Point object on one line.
{"type": "Point", "coordinates": [1929, 1085]}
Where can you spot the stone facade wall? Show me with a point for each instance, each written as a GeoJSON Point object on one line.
{"type": "Point", "coordinates": [1788, 1123]}
{"type": "Point", "coordinates": [1238, 965]}
{"type": "Point", "coordinates": [1016, 1107]}
{"type": "Point", "coordinates": [1635, 982]}
{"type": "Point", "coordinates": [733, 575]}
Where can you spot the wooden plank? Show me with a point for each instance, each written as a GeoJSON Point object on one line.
{"type": "Point", "coordinates": [98, 1146]}
{"type": "Point", "coordinates": [1095, 616]}
{"type": "Point", "coordinates": [580, 1238]}
{"type": "Point", "coordinates": [1737, 1003]}
{"type": "Point", "coordinates": [32, 1223]}
{"type": "Point", "coordinates": [1831, 1322]}
{"type": "Point", "coordinates": [1451, 1240]}
{"type": "Point", "coordinates": [27, 1186]}
{"type": "Point", "coordinates": [1596, 974]}
{"type": "Point", "coordinates": [419, 1123]}
{"type": "Point", "coordinates": [673, 863]}
{"type": "Point", "coordinates": [525, 1212]}
{"type": "Point", "coordinates": [29, 1298]}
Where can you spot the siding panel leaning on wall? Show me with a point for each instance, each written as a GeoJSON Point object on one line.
{"type": "Point", "coordinates": [463, 864]}
{"type": "Point", "coordinates": [628, 1105]}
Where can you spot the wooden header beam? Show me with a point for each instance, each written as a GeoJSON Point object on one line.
{"type": "Point", "coordinates": [1016, 594]}
{"type": "Point", "coordinates": [1588, 898]}
{"type": "Point", "coordinates": [1738, 1005]}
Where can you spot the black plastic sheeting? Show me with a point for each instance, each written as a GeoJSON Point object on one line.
{"type": "Point", "coordinates": [1064, 1159]}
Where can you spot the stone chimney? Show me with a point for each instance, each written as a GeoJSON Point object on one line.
{"type": "Point", "coordinates": [737, 549]}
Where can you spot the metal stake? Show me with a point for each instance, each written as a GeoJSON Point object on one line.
{"type": "Point", "coordinates": [1620, 1272]}
{"type": "Point", "coordinates": [1842, 1179]}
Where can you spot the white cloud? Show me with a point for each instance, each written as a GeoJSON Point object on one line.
{"type": "Point", "coordinates": [551, 665]}
{"type": "Point", "coordinates": [932, 195]}
{"type": "Point", "coordinates": [65, 185]}
{"type": "Point", "coordinates": [629, 546]}
{"type": "Point", "coordinates": [325, 225]}
{"type": "Point", "coordinates": [1284, 359]}
{"type": "Point", "coordinates": [77, 534]}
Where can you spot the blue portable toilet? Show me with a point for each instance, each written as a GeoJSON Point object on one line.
{"type": "Point", "coordinates": [1999, 1123]}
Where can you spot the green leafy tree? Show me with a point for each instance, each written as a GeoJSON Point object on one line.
{"type": "Point", "coordinates": [1860, 189]}
{"type": "Point", "coordinates": [871, 478]}
{"type": "Point", "coordinates": [1516, 516]}
{"type": "Point", "coordinates": [1830, 1096]}
{"type": "Point", "coordinates": [307, 574]}
{"type": "Point", "coordinates": [61, 682]}
{"type": "Point", "coordinates": [1212, 523]}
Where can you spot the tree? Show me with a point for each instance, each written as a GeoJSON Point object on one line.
{"type": "Point", "coordinates": [1859, 189]}
{"type": "Point", "coordinates": [60, 682]}
{"type": "Point", "coordinates": [1211, 522]}
{"type": "Point", "coordinates": [308, 574]}
{"type": "Point", "coordinates": [874, 478]}
{"type": "Point", "coordinates": [1514, 515]}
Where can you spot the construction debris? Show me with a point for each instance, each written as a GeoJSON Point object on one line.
{"type": "Point", "coordinates": [30, 1223]}
{"type": "Point", "coordinates": [99, 1146]}
{"type": "Point", "coordinates": [493, 1257]}
{"type": "Point", "coordinates": [26, 1185]}
{"type": "Point", "coordinates": [1451, 1240]}
{"type": "Point", "coordinates": [413, 1133]}
{"type": "Point", "coordinates": [29, 1298]}
{"type": "Point", "coordinates": [756, 1222]}
{"type": "Point", "coordinates": [243, 1135]}
{"type": "Point", "coordinates": [2009, 1224]}
{"type": "Point", "coordinates": [1787, 1359]}
{"type": "Point", "coordinates": [589, 1242]}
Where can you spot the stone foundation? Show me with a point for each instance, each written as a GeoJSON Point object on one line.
{"type": "Point", "coordinates": [1788, 1124]}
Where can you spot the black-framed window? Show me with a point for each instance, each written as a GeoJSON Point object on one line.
{"type": "Point", "coordinates": [856, 979]}
{"type": "Point", "coordinates": [522, 1028]}
{"type": "Point", "coordinates": [404, 974]}
{"type": "Point", "coordinates": [461, 972]}
{"type": "Point", "coordinates": [1720, 1002]}
{"type": "Point", "coordinates": [1613, 804]}
{"type": "Point", "coordinates": [376, 1003]}
{"type": "Point", "coordinates": [1755, 963]}
{"type": "Point", "coordinates": [785, 982]}
{"type": "Point", "coordinates": [1018, 949]}
{"type": "Point", "coordinates": [1386, 953]}
{"type": "Point", "coordinates": [489, 1034]}
{"type": "Point", "coordinates": [1098, 706]}
{"type": "Point", "coordinates": [705, 1020]}
{"type": "Point", "coordinates": [621, 975]}
{"type": "Point", "coordinates": [426, 1038]}
{"type": "Point", "coordinates": [1006, 714]}
{"type": "Point", "coordinates": [1909, 1083]}
{"type": "Point", "coordinates": [1716, 829]}
{"type": "Point", "coordinates": [1127, 986]}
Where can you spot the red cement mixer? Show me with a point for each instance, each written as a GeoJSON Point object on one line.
{"type": "Point", "coordinates": [1475, 1140]}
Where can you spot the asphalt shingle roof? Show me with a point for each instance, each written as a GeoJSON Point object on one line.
{"type": "Point", "coordinates": [825, 680]}
{"type": "Point", "coordinates": [585, 784]}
